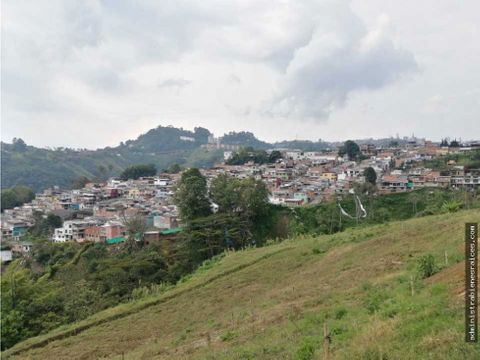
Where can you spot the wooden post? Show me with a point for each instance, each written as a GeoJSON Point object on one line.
{"type": "Point", "coordinates": [446, 258]}
{"type": "Point", "coordinates": [412, 288]}
{"type": "Point", "coordinates": [326, 342]}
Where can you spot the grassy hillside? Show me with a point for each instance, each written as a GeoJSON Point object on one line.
{"type": "Point", "coordinates": [273, 303]}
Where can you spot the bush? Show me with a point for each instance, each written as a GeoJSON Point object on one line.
{"type": "Point", "coordinates": [426, 266]}
{"type": "Point", "coordinates": [451, 206]}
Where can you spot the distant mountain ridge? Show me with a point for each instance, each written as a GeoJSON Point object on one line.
{"type": "Point", "coordinates": [163, 146]}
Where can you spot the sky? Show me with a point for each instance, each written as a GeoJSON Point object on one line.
{"type": "Point", "coordinates": [93, 73]}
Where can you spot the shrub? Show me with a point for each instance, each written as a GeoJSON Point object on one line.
{"type": "Point", "coordinates": [426, 266]}
{"type": "Point", "coordinates": [340, 313]}
{"type": "Point", "coordinates": [451, 206]}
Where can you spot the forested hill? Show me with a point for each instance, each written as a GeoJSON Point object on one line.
{"type": "Point", "coordinates": [163, 146]}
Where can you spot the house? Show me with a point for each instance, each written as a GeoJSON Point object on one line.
{"type": "Point", "coordinates": [72, 230]}
{"type": "Point", "coordinates": [14, 229]}
{"type": "Point", "coordinates": [6, 255]}
{"type": "Point", "coordinates": [22, 247]}
{"type": "Point", "coordinates": [393, 183]}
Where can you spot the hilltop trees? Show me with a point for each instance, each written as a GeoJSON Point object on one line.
{"type": "Point", "coordinates": [137, 171]}
{"type": "Point", "coordinates": [247, 154]}
{"type": "Point", "coordinates": [19, 145]}
{"type": "Point", "coordinates": [351, 149]}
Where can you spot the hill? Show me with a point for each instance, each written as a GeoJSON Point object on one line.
{"type": "Point", "coordinates": [39, 168]}
{"type": "Point", "coordinates": [163, 146]}
{"type": "Point", "coordinates": [273, 302]}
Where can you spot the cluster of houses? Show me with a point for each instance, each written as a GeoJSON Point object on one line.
{"type": "Point", "coordinates": [303, 177]}
{"type": "Point", "coordinates": [100, 211]}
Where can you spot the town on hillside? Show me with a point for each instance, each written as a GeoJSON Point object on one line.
{"type": "Point", "coordinates": [98, 212]}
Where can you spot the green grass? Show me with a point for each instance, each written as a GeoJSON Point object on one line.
{"type": "Point", "coordinates": [273, 303]}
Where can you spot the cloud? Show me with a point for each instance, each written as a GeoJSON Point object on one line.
{"type": "Point", "coordinates": [173, 82]}
{"type": "Point", "coordinates": [335, 63]}
{"type": "Point", "coordinates": [84, 63]}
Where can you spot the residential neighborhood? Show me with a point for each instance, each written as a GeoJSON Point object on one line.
{"type": "Point", "coordinates": [100, 211]}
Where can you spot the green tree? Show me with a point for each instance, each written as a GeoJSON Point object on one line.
{"type": "Point", "coordinates": [454, 143]}
{"type": "Point", "coordinates": [29, 307]}
{"type": "Point", "coordinates": [253, 199]}
{"type": "Point", "coordinates": [250, 154]}
{"type": "Point", "coordinates": [206, 237]}
{"type": "Point", "coordinates": [16, 196]}
{"type": "Point", "coordinates": [191, 195]}
{"type": "Point", "coordinates": [44, 226]}
{"type": "Point", "coordinates": [174, 169]}
{"type": "Point", "coordinates": [248, 197]}
{"type": "Point", "coordinates": [351, 149]}
{"type": "Point", "coordinates": [137, 171]}
{"type": "Point", "coordinates": [370, 175]}
{"type": "Point", "coordinates": [136, 226]}
{"type": "Point", "coordinates": [224, 193]}
{"type": "Point", "coordinates": [274, 156]}
{"type": "Point", "coordinates": [19, 145]}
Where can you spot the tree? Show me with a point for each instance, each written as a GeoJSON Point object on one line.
{"type": "Point", "coordinates": [454, 143]}
{"type": "Point", "coordinates": [136, 226]}
{"type": "Point", "coordinates": [249, 154]}
{"type": "Point", "coordinates": [137, 171]}
{"type": "Point", "coordinates": [19, 145]}
{"type": "Point", "coordinates": [351, 149]}
{"type": "Point", "coordinates": [247, 197]}
{"type": "Point", "coordinates": [206, 237]}
{"type": "Point", "coordinates": [223, 192]}
{"type": "Point", "coordinates": [45, 226]}
{"type": "Point", "coordinates": [370, 175]}
{"type": "Point", "coordinates": [274, 156]}
{"type": "Point", "coordinates": [16, 196]}
{"type": "Point", "coordinates": [253, 199]}
{"type": "Point", "coordinates": [201, 135]}
{"type": "Point", "coordinates": [173, 169]}
{"type": "Point", "coordinates": [191, 195]}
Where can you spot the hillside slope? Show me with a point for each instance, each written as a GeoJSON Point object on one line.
{"type": "Point", "coordinates": [273, 303]}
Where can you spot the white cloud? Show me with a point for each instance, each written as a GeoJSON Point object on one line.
{"type": "Point", "coordinates": [335, 63]}
{"type": "Point", "coordinates": [125, 66]}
